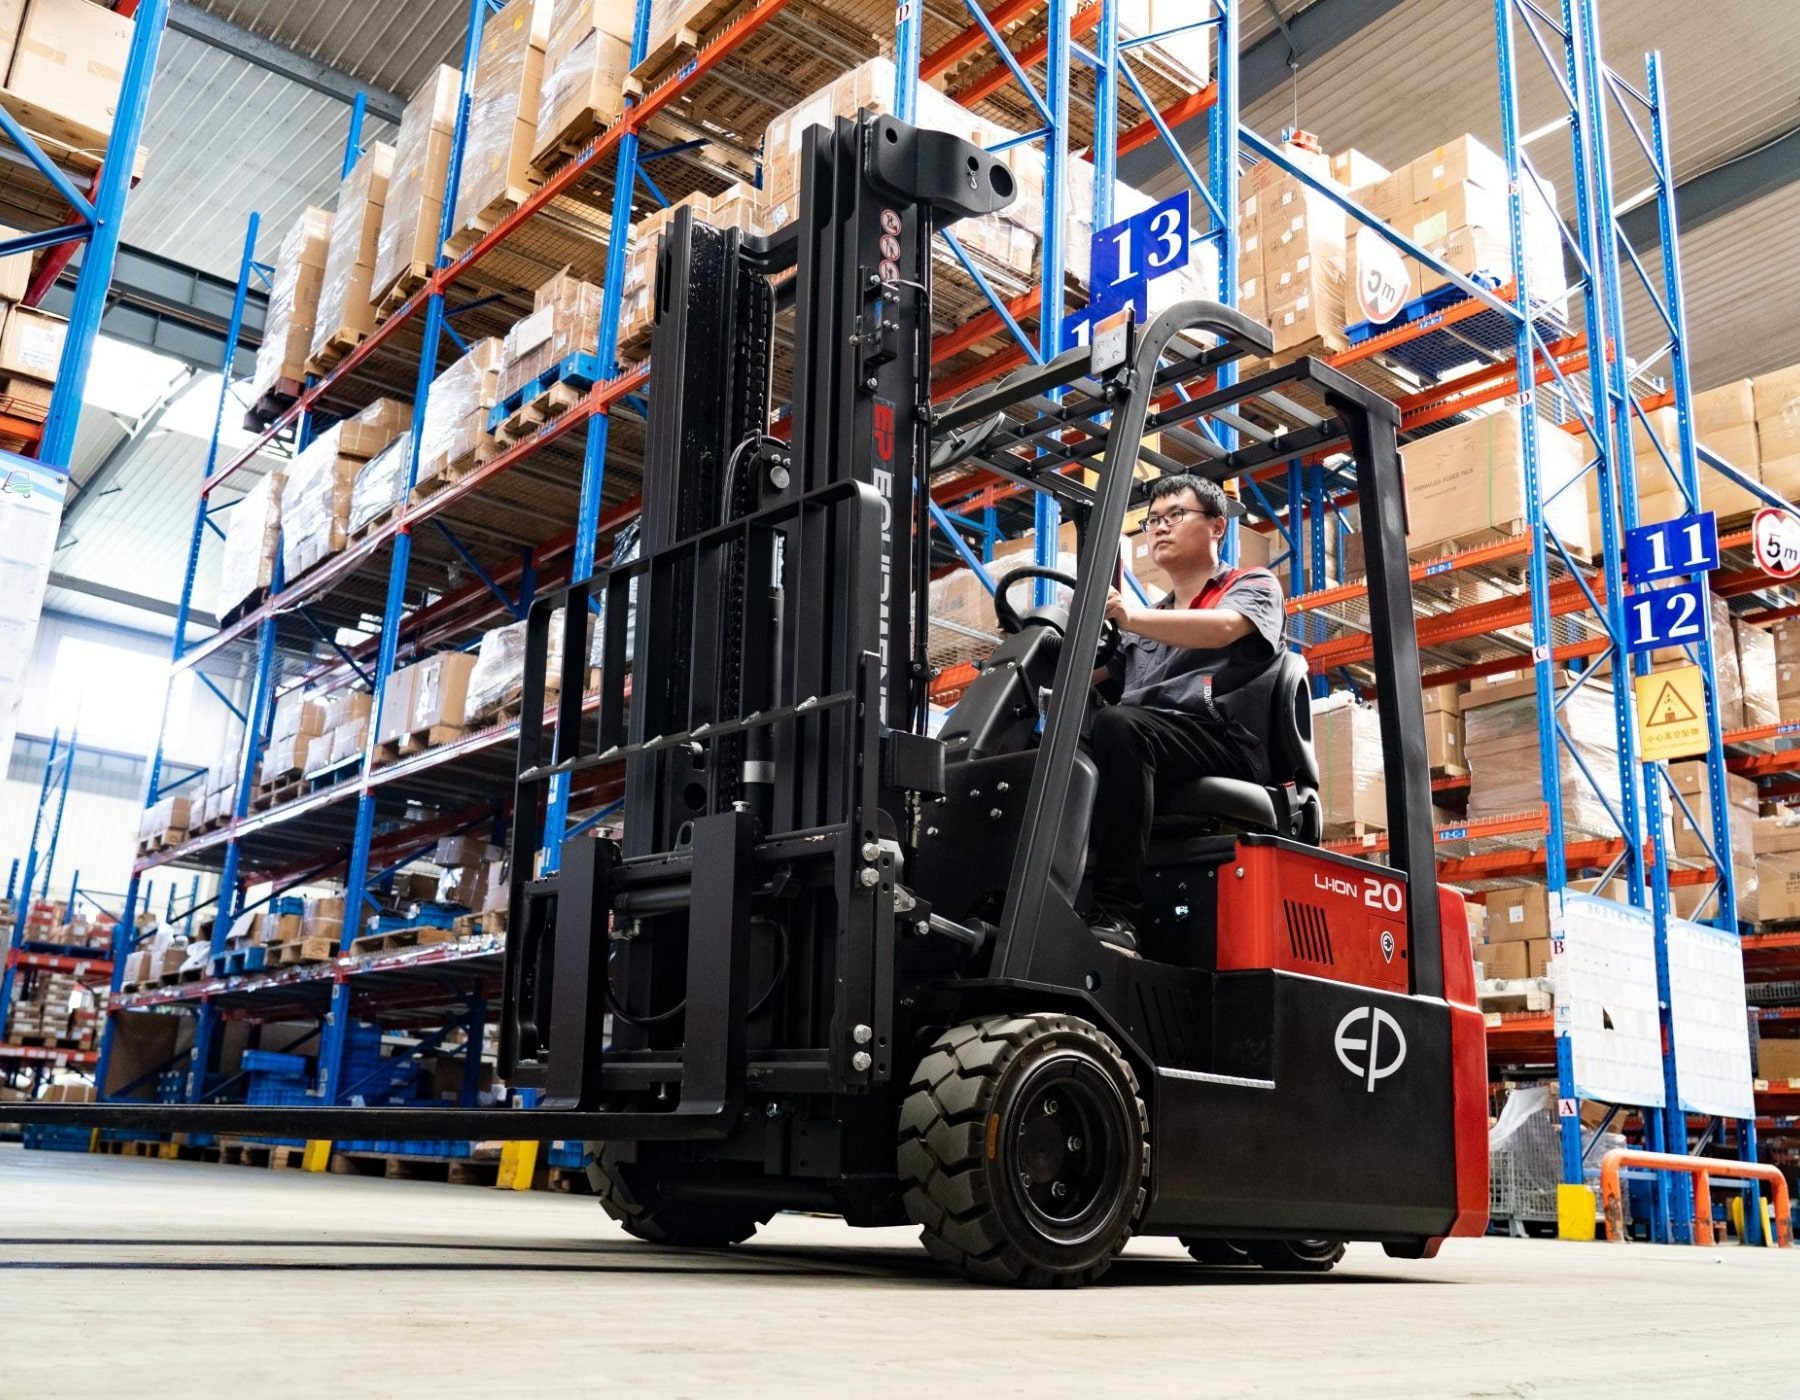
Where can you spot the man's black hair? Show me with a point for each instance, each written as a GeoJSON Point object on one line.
{"type": "Point", "coordinates": [1211, 498]}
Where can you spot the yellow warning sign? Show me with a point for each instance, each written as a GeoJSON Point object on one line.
{"type": "Point", "coordinates": [1671, 713]}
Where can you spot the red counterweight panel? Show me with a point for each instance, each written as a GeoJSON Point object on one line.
{"type": "Point", "coordinates": [1298, 912]}
{"type": "Point", "coordinates": [1468, 1053]}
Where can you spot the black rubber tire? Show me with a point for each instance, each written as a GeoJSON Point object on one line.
{"type": "Point", "coordinates": [1215, 1252]}
{"type": "Point", "coordinates": [1296, 1256]}
{"type": "Point", "coordinates": [627, 1192]}
{"type": "Point", "coordinates": [967, 1160]}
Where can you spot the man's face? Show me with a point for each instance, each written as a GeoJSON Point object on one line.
{"type": "Point", "coordinates": [1183, 537]}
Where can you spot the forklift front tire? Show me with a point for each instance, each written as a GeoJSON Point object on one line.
{"type": "Point", "coordinates": [1024, 1150]}
{"type": "Point", "coordinates": [628, 1193]}
{"type": "Point", "coordinates": [1296, 1256]}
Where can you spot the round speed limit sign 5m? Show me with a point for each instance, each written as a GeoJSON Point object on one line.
{"type": "Point", "coordinates": [1775, 535]}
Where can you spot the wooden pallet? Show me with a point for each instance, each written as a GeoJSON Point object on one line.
{"type": "Point", "coordinates": [319, 948]}
{"type": "Point", "coordinates": [73, 1044]}
{"type": "Point", "coordinates": [440, 474]}
{"type": "Point", "coordinates": [546, 407]}
{"type": "Point", "coordinates": [582, 128]}
{"type": "Point", "coordinates": [1517, 994]}
{"type": "Point", "coordinates": [1353, 831]}
{"type": "Point", "coordinates": [429, 738]}
{"type": "Point", "coordinates": [336, 349]}
{"type": "Point", "coordinates": [700, 19]}
{"type": "Point", "coordinates": [387, 751]}
{"type": "Point", "coordinates": [488, 219]}
{"type": "Point", "coordinates": [274, 401]}
{"type": "Point", "coordinates": [401, 290]}
{"type": "Point", "coordinates": [273, 794]}
{"type": "Point", "coordinates": [395, 939]}
{"type": "Point", "coordinates": [458, 1171]}
{"type": "Point", "coordinates": [164, 840]}
{"type": "Point", "coordinates": [479, 925]}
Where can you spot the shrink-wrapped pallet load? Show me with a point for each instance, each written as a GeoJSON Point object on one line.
{"type": "Point", "coordinates": [455, 437]}
{"type": "Point", "coordinates": [503, 114]}
{"type": "Point", "coordinates": [412, 215]}
{"type": "Point", "coordinates": [315, 514]}
{"type": "Point", "coordinates": [346, 296]}
{"type": "Point", "coordinates": [586, 60]}
{"type": "Point", "coordinates": [252, 542]}
{"type": "Point", "coordinates": [292, 313]}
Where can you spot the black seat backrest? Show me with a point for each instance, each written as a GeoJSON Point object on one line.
{"type": "Point", "coordinates": [1291, 755]}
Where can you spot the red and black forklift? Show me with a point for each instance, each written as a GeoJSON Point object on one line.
{"type": "Point", "coordinates": [836, 962]}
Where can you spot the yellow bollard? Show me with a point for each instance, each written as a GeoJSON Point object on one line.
{"type": "Point", "coordinates": [1574, 1212]}
{"type": "Point", "coordinates": [316, 1157]}
{"type": "Point", "coordinates": [518, 1164]}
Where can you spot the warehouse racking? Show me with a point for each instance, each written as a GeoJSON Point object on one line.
{"type": "Point", "coordinates": [406, 571]}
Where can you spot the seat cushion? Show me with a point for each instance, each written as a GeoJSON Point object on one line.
{"type": "Point", "coordinates": [1219, 799]}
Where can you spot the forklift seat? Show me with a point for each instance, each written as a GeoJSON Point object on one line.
{"type": "Point", "coordinates": [1289, 806]}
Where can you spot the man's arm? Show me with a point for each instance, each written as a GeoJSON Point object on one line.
{"type": "Point", "coordinates": [1204, 628]}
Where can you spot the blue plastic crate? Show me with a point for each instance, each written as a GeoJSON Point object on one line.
{"type": "Point", "coordinates": [273, 1062]}
{"type": "Point", "coordinates": [62, 1138]}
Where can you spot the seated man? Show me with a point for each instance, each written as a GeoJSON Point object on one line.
{"type": "Point", "coordinates": [1195, 688]}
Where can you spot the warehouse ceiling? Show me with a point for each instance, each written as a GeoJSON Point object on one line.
{"type": "Point", "coordinates": [227, 135]}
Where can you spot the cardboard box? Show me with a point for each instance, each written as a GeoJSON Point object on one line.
{"type": "Point", "coordinates": [396, 704]}
{"type": "Point", "coordinates": [296, 713]}
{"type": "Point", "coordinates": [347, 294]}
{"type": "Point", "coordinates": [503, 111]}
{"type": "Point", "coordinates": [1778, 887]}
{"type": "Point", "coordinates": [1352, 774]}
{"type": "Point", "coordinates": [12, 16]}
{"type": "Point", "coordinates": [293, 303]}
{"type": "Point", "coordinates": [348, 739]}
{"type": "Point", "coordinates": [1757, 671]}
{"type": "Point", "coordinates": [15, 272]}
{"type": "Point", "coordinates": [1777, 1059]}
{"type": "Point", "coordinates": [1504, 961]}
{"type": "Point", "coordinates": [1777, 399]}
{"type": "Point", "coordinates": [585, 65]}
{"type": "Point", "coordinates": [1352, 169]}
{"type": "Point", "coordinates": [32, 343]}
{"type": "Point", "coordinates": [323, 917]}
{"type": "Point", "coordinates": [1615, 889]}
{"type": "Point", "coordinates": [69, 65]}
{"type": "Point", "coordinates": [441, 692]}
{"type": "Point", "coordinates": [1466, 485]}
{"type": "Point", "coordinates": [1464, 160]}
{"type": "Point", "coordinates": [1443, 739]}
{"type": "Point", "coordinates": [413, 210]}
{"type": "Point", "coordinates": [1518, 912]}
{"type": "Point", "coordinates": [1537, 957]}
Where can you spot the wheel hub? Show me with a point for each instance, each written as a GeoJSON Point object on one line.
{"type": "Point", "coordinates": [1066, 1152]}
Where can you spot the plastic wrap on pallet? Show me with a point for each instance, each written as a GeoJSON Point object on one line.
{"type": "Point", "coordinates": [297, 713]}
{"type": "Point", "coordinates": [498, 679]}
{"type": "Point", "coordinates": [503, 112]}
{"type": "Point", "coordinates": [585, 64]}
{"type": "Point", "coordinates": [346, 296]}
{"type": "Point", "coordinates": [315, 511]}
{"type": "Point", "coordinates": [252, 539]}
{"type": "Point", "coordinates": [381, 484]}
{"type": "Point", "coordinates": [566, 322]}
{"type": "Point", "coordinates": [293, 303]}
{"type": "Point", "coordinates": [1501, 749]}
{"type": "Point", "coordinates": [413, 213]}
{"type": "Point", "coordinates": [441, 692]}
{"type": "Point", "coordinates": [1352, 773]}
{"type": "Point", "coordinates": [167, 816]}
{"type": "Point", "coordinates": [456, 413]}
{"type": "Point", "coordinates": [1757, 673]}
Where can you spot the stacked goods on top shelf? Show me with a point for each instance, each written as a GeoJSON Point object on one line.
{"type": "Point", "coordinates": [346, 312]}
{"type": "Point", "coordinates": [293, 310]}
{"type": "Point", "coordinates": [1656, 457]}
{"type": "Point", "coordinates": [165, 823]}
{"type": "Point", "coordinates": [1291, 254]}
{"type": "Point", "coordinates": [315, 508]}
{"type": "Point", "coordinates": [31, 347]}
{"type": "Point", "coordinates": [64, 65]}
{"type": "Point", "coordinates": [1452, 202]}
{"type": "Point", "coordinates": [1693, 837]}
{"type": "Point", "coordinates": [412, 214]}
{"type": "Point", "coordinates": [1466, 486]}
{"type": "Point", "coordinates": [252, 541]}
{"type": "Point", "coordinates": [503, 116]}
{"type": "Point", "coordinates": [1352, 775]}
{"type": "Point", "coordinates": [586, 61]}
{"type": "Point", "coordinates": [1777, 402]}
{"type": "Point", "coordinates": [1500, 745]}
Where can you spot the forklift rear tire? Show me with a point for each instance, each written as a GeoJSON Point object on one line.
{"type": "Point", "coordinates": [627, 1192]}
{"type": "Point", "coordinates": [1296, 1256]}
{"type": "Point", "coordinates": [1216, 1252]}
{"type": "Point", "coordinates": [1024, 1150]}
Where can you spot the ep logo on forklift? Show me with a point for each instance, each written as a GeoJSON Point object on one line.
{"type": "Point", "coordinates": [1360, 1051]}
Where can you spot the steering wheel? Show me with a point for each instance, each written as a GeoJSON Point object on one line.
{"type": "Point", "coordinates": [1112, 640]}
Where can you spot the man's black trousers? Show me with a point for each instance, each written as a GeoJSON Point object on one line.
{"type": "Point", "coordinates": [1137, 752]}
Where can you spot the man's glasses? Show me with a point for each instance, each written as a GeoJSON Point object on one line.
{"type": "Point", "coordinates": [1170, 518]}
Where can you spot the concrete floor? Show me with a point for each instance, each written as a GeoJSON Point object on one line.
{"type": "Point", "coordinates": [127, 1276]}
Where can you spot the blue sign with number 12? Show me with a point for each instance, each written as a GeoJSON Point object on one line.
{"type": "Point", "coordinates": [1666, 617]}
{"type": "Point", "coordinates": [1133, 252]}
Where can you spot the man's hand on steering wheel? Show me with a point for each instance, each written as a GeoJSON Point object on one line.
{"type": "Point", "coordinates": [1118, 611]}
{"type": "Point", "coordinates": [1111, 638]}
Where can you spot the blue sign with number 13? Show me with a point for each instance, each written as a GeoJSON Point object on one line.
{"type": "Point", "coordinates": [1131, 253]}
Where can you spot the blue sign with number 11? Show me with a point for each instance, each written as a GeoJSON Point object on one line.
{"type": "Point", "coordinates": [1686, 545]}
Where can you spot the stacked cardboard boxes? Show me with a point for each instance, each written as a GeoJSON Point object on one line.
{"type": "Point", "coordinates": [219, 785]}
{"type": "Point", "coordinates": [1776, 398]}
{"type": "Point", "coordinates": [1518, 933]}
{"type": "Point", "coordinates": [315, 508]}
{"type": "Point", "coordinates": [1755, 651]}
{"type": "Point", "coordinates": [498, 678]}
{"type": "Point", "coordinates": [586, 60]}
{"type": "Point", "coordinates": [31, 345]}
{"type": "Point", "coordinates": [292, 314]}
{"type": "Point", "coordinates": [64, 65]}
{"type": "Point", "coordinates": [1298, 245]}
{"type": "Point", "coordinates": [347, 293]}
{"type": "Point", "coordinates": [469, 865]}
{"type": "Point", "coordinates": [252, 541]}
{"type": "Point", "coordinates": [503, 115]}
{"type": "Point", "coordinates": [1693, 837]}
{"type": "Point", "coordinates": [1500, 746]}
{"type": "Point", "coordinates": [1352, 774]}
{"type": "Point", "coordinates": [565, 321]}
{"type": "Point", "coordinates": [1466, 485]}
{"type": "Point", "coordinates": [425, 704]}
{"type": "Point", "coordinates": [1775, 841]}
{"type": "Point", "coordinates": [1785, 637]}
{"type": "Point", "coordinates": [1452, 202]}
{"type": "Point", "coordinates": [56, 1008]}
{"type": "Point", "coordinates": [294, 733]}
{"type": "Point", "coordinates": [164, 823]}
{"type": "Point", "coordinates": [455, 437]}
{"type": "Point", "coordinates": [413, 211]}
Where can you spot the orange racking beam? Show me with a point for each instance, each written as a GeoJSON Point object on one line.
{"type": "Point", "coordinates": [949, 55]}
{"type": "Point", "coordinates": [1565, 597]}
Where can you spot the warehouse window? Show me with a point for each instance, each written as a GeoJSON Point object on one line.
{"type": "Point", "coordinates": [108, 694]}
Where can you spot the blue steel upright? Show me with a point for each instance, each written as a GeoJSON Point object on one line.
{"type": "Point", "coordinates": [124, 933]}
{"type": "Point", "coordinates": [58, 443]}
{"type": "Point", "coordinates": [22, 901]}
{"type": "Point", "coordinates": [1047, 515]}
{"type": "Point", "coordinates": [356, 875]}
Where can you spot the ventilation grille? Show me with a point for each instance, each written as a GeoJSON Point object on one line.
{"type": "Point", "coordinates": [1308, 938]}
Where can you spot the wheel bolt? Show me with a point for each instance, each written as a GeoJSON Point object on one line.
{"type": "Point", "coordinates": [1074, 1144]}
{"type": "Point", "coordinates": [1051, 1106]}
{"type": "Point", "coordinates": [1059, 1189]}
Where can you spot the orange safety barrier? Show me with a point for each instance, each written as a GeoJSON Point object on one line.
{"type": "Point", "coordinates": [1702, 1169]}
